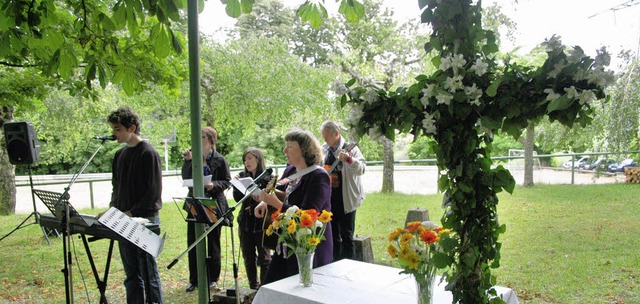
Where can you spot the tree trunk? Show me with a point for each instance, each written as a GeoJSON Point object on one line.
{"type": "Point", "coordinates": [387, 166]}
{"type": "Point", "coordinates": [528, 155]}
{"type": "Point", "coordinates": [7, 173]}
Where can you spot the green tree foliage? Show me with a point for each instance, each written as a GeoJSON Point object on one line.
{"type": "Point", "coordinates": [254, 87]}
{"type": "Point", "coordinates": [120, 42]}
{"type": "Point", "coordinates": [621, 117]}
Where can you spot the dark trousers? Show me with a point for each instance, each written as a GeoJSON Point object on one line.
{"type": "Point", "coordinates": [142, 281]}
{"type": "Point", "coordinates": [254, 255]}
{"type": "Point", "coordinates": [343, 230]}
{"type": "Point", "coordinates": [212, 243]}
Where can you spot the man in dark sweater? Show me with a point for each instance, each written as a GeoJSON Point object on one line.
{"type": "Point", "coordinates": [137, 189]}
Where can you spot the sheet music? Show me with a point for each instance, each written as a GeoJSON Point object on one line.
{"type": "Point", "coordinates": [241, 184]}
{"type": "Point", "coordinates": [189, 182]}
{"type": "Point", "coordinates": [133, 231]}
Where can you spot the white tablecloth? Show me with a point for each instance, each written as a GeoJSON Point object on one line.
{"type": "Point", "coordinates": [349, 281]}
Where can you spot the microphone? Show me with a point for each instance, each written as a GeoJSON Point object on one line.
{"type": "Point", "coordinates": [110, 137]}
{"type": "Point", "coordinates": [262, 176]}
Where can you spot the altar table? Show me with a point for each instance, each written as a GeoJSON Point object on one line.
{"type": "Point", "coordinates": [350, 281]}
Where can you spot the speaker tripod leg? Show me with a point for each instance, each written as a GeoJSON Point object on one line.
{"type": "Point", "coordinates": [19, 226]}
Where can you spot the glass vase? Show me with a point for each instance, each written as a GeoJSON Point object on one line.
{"type": "Point", "coordinates": [305, 266]}
{"type": "Point", "coordinates": [424, 288]}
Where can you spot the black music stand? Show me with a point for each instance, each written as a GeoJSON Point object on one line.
{"type": "Point", "coordinates": [224, 218]}
{"type": "Point", "coordinates": [34, 213]}
{"type": "Point", "coordinates": [62, 204]}
{"type": "Point", "coordinates": [57, 207]}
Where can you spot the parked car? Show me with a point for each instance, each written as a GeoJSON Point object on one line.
{"type": "Point", "coordinates": [600, 163]}
{"type": "Point", "coordinates": [578, 163]}
{"type": "Point", "coordinates": [619, 167]}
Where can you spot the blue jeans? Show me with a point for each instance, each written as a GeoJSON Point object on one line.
{"type": "Point", "coordinates": [142, 280]}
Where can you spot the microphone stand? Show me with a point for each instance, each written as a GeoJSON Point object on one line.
{"type": "Point", "coordinates": [223, 218]}
{"type": "Point", "coordinates": [66, 225]}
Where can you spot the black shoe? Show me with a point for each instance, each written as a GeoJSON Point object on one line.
{"type": "Point", "coordinates": [191, 287]}
{"type": "Point", "coordinates": [212, 285]}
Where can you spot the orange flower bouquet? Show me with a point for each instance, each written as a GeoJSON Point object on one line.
{"type": "Point", "coordinates": [419, 249]}
{"type": "Point", "coordinates": [300, 230]}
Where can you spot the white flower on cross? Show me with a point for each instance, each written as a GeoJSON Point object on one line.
{"type": "Point", "coordinates": [444, 99]}
{"type": "Point", "coordinates": [339, 88]}
{"type": "Point", "coordinates": [557, 68]}
{"type": "Point", "coordinates": [429, 123]}
{"type": "Point", "coordinates": [452, 84]}
{"type": "Point", "coordinates": [479, 67]}
{"type": "Point", "coordinates": [458, 61]}
{"type": "Point", "coordinates": [602, 58]}
{"type": "Point", "coordinates": [571, 92]}
{"type": "Point", "coordinates": [575, 55]}
{"type": "Point", "coordinates": [445, 63]}
{"type": "Point", "coordinates": [601, 78]}
{"type": "Point", "coordinates": [370, 96]}
{"type": "Point", "coordinates": [551, 94]}
{"type": "Point", "coordinates": [355, 114]}
{"type": "Point", "coordinates": [552, 44]}
{"type": "Point", "coordinates": [579, 74]}
{"type": "Point", "coordinates": [586, 97]}
{"type": "Point", "coordinates": [474, 93]}
{"type": "Point", "coordinates": [427, 93]}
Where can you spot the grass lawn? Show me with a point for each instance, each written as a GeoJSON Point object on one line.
{"type": "Point", "coordinates": [564, 244]}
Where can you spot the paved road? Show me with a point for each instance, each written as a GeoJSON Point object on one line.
{"type": "Point", "coordinates": [407, 179]}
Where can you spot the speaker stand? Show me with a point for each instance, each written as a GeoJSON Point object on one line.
{"type": "Point", "coordinates": [35, 214]}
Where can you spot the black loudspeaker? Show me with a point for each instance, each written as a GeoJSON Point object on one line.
{"type": "Point", "coordinates": [22, 143]}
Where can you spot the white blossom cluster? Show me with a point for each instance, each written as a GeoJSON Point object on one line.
{"type": "Point", "coordinates": [444, 95]}
{"type": "Point", "coordinates": [339, 88]}
{"type": "Point", "coordinates": [429, 123]}
{"type": "Point", "coordinates": [596, 74]}
{"type": "Point", "coordinates": [355, 114]}
{"type": "Point", "coordinates": [370, 96]}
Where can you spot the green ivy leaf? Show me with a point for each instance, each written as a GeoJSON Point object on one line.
{"type": "Point", "coordinates": [443, 183]}
{"type": "Point", "coordinates": [561, 103]}
{"type": "Point", "coordinates": [492, 90]}
{"type": "Point", "coordinates": [441, 260]}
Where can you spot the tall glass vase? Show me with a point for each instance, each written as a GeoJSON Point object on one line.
{"type": "Point", "coordinates": [305, 265]}
{"type": "Point", "coordinates": [424, 288]}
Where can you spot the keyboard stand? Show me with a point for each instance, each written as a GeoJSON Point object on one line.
{"type": "Point", "coordinates": [102, 284]}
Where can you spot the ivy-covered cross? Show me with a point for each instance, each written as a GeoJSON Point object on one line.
{"type": "Point", "coordinates": [470, 96]}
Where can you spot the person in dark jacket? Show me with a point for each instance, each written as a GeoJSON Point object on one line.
{"type": "Point", "coordinates": [137, 191]}
{"type": "Point", "coordinates": [216, 165]}
{"type": "Point", "coordinates": [311, 190]}
{"type": "Point", "coordinates": [251, 229]}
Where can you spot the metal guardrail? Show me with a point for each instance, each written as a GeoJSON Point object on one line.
{"type": "Point", "coordinates": [106, 177]}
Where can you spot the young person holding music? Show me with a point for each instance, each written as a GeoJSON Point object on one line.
{"type": "Point", "coordinates": [306, 185]}
{"type": "Point", "coordinates": [251, 229]}
{"type": "Point", "coordinates": [216, 165]}
{"type": "Point", "coordinates": [346, 163]}
{"type": "Point", "coordinates": [137, 191]}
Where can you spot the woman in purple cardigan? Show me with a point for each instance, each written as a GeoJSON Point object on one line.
{"type": "Point", "coordinates": [311, 190]}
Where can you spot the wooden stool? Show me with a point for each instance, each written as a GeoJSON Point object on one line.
{"type": "Point", "coordinates": [364, 252]}
{"type": "Point", "coordinates": [416, 215]}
